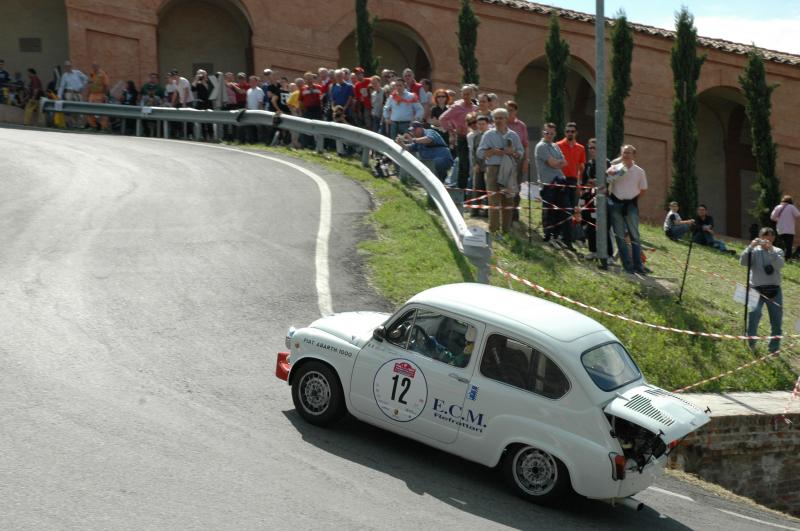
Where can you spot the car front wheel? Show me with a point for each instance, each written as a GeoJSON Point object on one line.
{"type": "Point", "coordinates": [317, 394]}
{"type": "Point", "coordinates": [536, 476]}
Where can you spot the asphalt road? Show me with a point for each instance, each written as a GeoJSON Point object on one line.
{"type": "Point", "coordinates": [146, 287]}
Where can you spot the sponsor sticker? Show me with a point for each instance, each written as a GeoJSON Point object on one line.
{"type": "Point", "coordinates": [400, 390]}
{"type": "Point", "coordinates": [405, 368]}
{"type": "Point", "coordinates": [473, 392]}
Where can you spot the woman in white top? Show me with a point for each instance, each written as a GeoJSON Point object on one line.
{"type": "Point", "coordinates": [785, 217]}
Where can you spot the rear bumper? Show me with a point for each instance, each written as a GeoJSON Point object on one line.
{"type": "Point", "coordinates": [282, 366]}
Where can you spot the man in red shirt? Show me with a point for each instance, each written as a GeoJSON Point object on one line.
{"type": "Point", "coordinates": [311, 105]}
{"type": "Point", "coordinates": [575, 155]}
{"type": "Point", "coordinates": [363, 100]}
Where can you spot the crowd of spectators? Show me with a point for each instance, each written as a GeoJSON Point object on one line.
{"type": "Point", "coordinates": [471, 142]}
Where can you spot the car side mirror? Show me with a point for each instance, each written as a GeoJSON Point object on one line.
{"type": "Point", "coordinates": [379, 333]}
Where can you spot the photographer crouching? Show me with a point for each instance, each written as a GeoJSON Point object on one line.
{"type": "Point", "coordinates": [430, 146]}
{"type": "Point", "coordinates": [765, 262]}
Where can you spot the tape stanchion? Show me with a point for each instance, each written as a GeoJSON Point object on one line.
{"type": "Point", "coordinates": [627, 319]}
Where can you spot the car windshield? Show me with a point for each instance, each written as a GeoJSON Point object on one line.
{"type": "Point", "coordinates": [610, 366]}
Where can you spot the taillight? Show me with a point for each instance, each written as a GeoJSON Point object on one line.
{"type": "Point", "coordinates": [617, 466]}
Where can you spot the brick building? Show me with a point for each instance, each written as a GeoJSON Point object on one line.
{"type": "Point", "coordinates": [131, 38]}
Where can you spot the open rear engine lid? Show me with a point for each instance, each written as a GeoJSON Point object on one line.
{"type": "Point", "coordinates": [658, 411]}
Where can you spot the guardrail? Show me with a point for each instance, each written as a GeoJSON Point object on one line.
{"type": "Point", "coordinates": [472, 242]}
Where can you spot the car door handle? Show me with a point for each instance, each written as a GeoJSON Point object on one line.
{"type": "Point", "coordinates": [459, 378]}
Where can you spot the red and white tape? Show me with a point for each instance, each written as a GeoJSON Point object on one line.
{"type": "Point", "coordinates": [627, 319]}
{"type": "Point", "coordinates": [737, 369]}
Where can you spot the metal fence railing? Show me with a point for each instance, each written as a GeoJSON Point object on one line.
{"type": "Point", "coordinates": [472, 242]}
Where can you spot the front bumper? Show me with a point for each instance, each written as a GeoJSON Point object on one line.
{"type": "Point", "coordinates": [283, 366]}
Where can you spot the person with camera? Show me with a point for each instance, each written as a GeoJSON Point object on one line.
{"type": "Point", "coordinates": [430, 146]}
{"type": "Point", "coordinates": [765, 262]}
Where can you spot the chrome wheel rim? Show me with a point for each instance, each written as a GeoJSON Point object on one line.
{"type": "Point", "coordinates": [535, 471]}
{"type": "Point", "coordinates": [315, 393]}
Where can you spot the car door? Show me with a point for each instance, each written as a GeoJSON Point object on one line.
{"type": "Point", "coordinates": [417, 378]}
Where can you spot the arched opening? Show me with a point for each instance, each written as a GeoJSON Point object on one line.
{"type": "Point", "coordinates": [35, 36]}
{"type": "Point", "coordinates": [579, 101]}
{"type": "Point", "coordinates": [395, 45]}
{"type": "Point", "coordinates": [726, 168]}
{"type": "Point", "coordinates": [211, 34]}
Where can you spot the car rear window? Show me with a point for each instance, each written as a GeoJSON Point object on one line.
{"type": "Point", "coordinates": [610, 366]}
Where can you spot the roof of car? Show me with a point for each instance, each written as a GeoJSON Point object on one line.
{"type": "Point", "coordinates": [495, 304]}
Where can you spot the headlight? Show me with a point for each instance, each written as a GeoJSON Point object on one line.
{"type": "Point", "coordinates": [289, 336]}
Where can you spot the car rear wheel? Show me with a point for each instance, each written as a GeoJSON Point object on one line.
{"type": "Point", "coordinates": [535, 475]}
{"type": "Point", "coordinates": [317, 394]}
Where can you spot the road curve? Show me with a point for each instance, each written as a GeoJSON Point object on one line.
{"type": "Point", "coordinates": [145, 288]}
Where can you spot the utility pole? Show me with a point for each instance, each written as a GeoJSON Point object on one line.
{"type": "Point", "coordinates": [600, 132]}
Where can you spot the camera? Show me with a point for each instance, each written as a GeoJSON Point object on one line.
{"type": "Point", "coordinates": [761, 241]}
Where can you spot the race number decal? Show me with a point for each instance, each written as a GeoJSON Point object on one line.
{"type": "Point", "coordinates": [400, 390]}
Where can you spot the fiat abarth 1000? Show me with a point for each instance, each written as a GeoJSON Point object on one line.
{"type": "Point", "coordinates": [497, 377]}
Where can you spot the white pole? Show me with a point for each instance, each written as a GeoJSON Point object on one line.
{"type": "Point", "coordinates": [600, 133]}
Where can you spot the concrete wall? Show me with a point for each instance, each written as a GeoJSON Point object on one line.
{"type": "Point", "coordinates": [43, 19]}
{"type": "Point", "coordinates": [757, 456]}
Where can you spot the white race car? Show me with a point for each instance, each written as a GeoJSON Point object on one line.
{"type": "Point", "coordinates": [497, 377]}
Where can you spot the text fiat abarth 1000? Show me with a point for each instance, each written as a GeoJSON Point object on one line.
{"type": "Point", "coordinates": [497, 377]}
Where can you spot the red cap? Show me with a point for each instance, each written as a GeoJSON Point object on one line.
{"type": "Point", "coordinates": [358, 69]}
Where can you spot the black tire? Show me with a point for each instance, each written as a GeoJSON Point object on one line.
{"type": "Point", "coordinates": [317, 394]}
{"type": "Point", "coordinates": [536, 476]}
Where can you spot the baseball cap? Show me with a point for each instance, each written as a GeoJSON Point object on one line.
{"type": "Point", "coordinates": [358, 69]}
{"type": "Point", "coordinates": [173, 72]}
{"type": "Point", "coordinates": [415, 124]}
{"type": "Point", "coordinates": [267, 72]}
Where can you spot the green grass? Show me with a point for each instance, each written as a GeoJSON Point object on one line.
{"type": "Point", "coordinates": [412, 251]}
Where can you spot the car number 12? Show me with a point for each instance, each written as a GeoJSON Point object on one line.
{"type": "Point", "coordinates": [400, 390]}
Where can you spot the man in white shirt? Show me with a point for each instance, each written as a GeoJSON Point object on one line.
{"type": "Point", "coordinates": [249, 134]}
{"type": "Point", "coordinates": [182, 96]}
{"type": "Point", "coordinates": [73, 82]}
{"type": "Point", "coordinates": [628, 183]}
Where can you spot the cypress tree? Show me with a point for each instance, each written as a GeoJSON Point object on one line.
{"type": "Point", "coordinates": [686, 66]}
{"type": "Point", "coordinates": [621, 58]}
{"type": "Point", "coordinates": [364, 31]}
{"type": "Point", "coordinates": [557, 51]}
{"type": "Point", "coordinates": [467, 42]}
{"type": "Point", "coordinates": [758, 108]}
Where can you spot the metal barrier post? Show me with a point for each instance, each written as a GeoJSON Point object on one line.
{"type": "Point", "coordinates": [166, 128]}
{"type": "Point", "coordinates": [138, 127]}
{"type": "Point", "coordinates": [320, 140]}
{"type": "Point", "coordinates": [365, 156]}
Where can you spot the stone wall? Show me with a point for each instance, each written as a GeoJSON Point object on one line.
{"type": "Point", "coordinates": [756, 456]}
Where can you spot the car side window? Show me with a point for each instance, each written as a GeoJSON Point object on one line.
{"type": "Point", "coordinates": [400, 330]}
{"type": "Point", "coordinates": [511, 362]}
{"type": "Point", "coordinates": [442, 338]}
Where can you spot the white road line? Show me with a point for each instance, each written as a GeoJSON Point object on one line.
{"type": "Point", "coordinates": [670, 493]}
{"type": "Point", "coordinates": [324, 300]}
{"type": "Point", "coordinates": [779, 526]}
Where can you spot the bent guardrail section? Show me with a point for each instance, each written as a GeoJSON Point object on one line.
{"type": "Point", "coordinates": [472, 242]}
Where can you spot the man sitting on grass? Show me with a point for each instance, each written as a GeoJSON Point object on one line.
{"type": "Point", "coordinates": [674, 226]}
{"type": "Point", "coordinates": [703, 231]}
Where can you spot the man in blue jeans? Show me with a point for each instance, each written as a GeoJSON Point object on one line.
{"type": "Point", "coordinates": [766, 262]}
{"type": "Point", "coordinates": [627, 184]}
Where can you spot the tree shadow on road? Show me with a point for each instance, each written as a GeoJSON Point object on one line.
{"type": "Point", "coordinates": [465, 485]}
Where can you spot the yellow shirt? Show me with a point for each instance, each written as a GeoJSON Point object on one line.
{"type": "Point", "coordinates": [294, 100]}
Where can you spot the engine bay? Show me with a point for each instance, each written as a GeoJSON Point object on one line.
{"type": "Point", "coordinates": [638, 444]}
